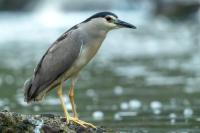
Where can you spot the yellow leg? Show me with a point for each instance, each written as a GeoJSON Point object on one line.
{"type": "Point", "coordinates": [75, 118]}
{"type": "Point", "coordinates": [68, 118]}
{"type": "Point", "coordinates": [71, 98]}
{"type": "Point", "coordinates": [59, 93]}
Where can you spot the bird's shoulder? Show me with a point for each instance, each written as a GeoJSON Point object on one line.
{"type": "Point", "coordinates": [62, 40]}
{"type": "Point", "coordinates": [65, 34]}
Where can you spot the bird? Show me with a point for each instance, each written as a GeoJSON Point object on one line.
{"type": "Point", "coordinates": [67, 56]}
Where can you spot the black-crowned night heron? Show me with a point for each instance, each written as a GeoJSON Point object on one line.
{"type": "Point", "coordinates": [67, 56]}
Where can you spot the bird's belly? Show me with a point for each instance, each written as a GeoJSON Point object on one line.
{"type": "Point", "coordinates": [86, 54]}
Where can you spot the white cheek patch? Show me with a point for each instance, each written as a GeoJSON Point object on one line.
{"type": "Point", "coordinates": [102, 23]}
{"type": "Point", "coordinates": [111, 24]}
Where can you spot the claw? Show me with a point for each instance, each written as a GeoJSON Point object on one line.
{"type": "Point", "coordinates": [82, 123]}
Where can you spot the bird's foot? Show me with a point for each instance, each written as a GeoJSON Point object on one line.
{"type": "Point", "coordinates": [67, 118]}
{"type": "Point", "coordinates": [82, 123]}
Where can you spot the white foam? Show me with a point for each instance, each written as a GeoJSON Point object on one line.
{"type": "Point", "coordinates": [187, 112]}
{"type": "Point", "coordinates": [156, 105]}
{"type": "Point", "coordinates": [98, 115]}
{"type": "Point", "coordinates": [135, 104]}
{"type": "Point", "coordinates": [124, 105]}
{"type": "Point", "coordinates": [118, 90]}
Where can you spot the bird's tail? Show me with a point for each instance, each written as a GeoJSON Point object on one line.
{"type": "Point", "coordinates": [27, 87]}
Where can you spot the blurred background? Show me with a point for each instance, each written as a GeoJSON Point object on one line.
{"type": "Point", "coordinates": [143, 80]}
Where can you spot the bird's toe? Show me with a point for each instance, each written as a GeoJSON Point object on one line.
{"type": "Point", "coordinates": [82, 123]}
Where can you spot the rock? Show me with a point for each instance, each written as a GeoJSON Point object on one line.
{"type": "Point", "coordinates": [11, 122]}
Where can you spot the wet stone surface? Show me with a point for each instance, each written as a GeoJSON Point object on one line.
{"type": "Point", "coordinates": [11, 122]}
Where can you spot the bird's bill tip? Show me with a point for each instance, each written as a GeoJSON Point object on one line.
{"type": "Point", "coordinates": [124, 24]}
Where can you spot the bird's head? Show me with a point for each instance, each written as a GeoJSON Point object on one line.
{"type": "Point", "coordinates": [107, 21]}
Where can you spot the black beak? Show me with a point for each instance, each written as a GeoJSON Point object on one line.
{"type": "Point", "coordinates": [122, 24]}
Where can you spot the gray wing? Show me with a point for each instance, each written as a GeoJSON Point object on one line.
{"type": "Point", "coordinates": [58, 59]}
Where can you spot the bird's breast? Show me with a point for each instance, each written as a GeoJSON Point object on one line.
{"type": "Point", "coordinates": [87, 52]}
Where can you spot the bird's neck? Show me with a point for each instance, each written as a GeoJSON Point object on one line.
{"type": "Point", "coordinates": [95, 31]}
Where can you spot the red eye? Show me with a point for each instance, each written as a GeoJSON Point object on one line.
{"type": "Point", "coordinates": [109, 19]}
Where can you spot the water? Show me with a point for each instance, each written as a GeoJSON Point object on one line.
{"type": "Point", "coordinates": [148, 82]}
